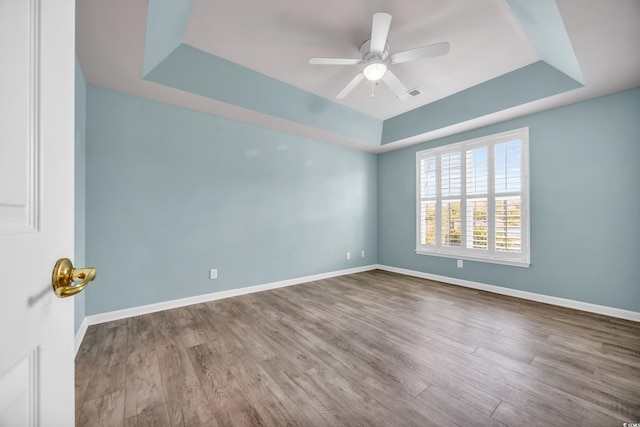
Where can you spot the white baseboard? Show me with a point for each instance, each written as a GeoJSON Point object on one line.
{"type": "Point", "coordinates": [80, 335]}
{"type": "Point", "coordinates": [167, 305]}
{"type": "Point", "coordinates": [562, 302]}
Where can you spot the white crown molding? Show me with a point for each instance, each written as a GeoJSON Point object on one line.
{"type": "Point", "coordinates": [562, 302]}
{"type": "Point", "coordinates": [167, 305]}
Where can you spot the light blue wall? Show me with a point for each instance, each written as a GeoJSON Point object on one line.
{"type": "Point", "coordinates": [542, 22]}
{"type": "Point", "coordinates": [166, 23]}
{"type": "Point", "coordinates": [585, 204]}
{"type": "Point", "coordinates": [173, 192]}
{"type": "Point", "coordinates": [196, 71]}
{"type": "Point", "coordinates": [80, 175]}
{"type": "Point", "coordinates": [526, 84]}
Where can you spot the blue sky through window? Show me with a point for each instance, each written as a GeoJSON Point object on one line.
{"type": "Point", "coordinates": [477, 171]}
{"type": "Point", "coordinates": [507, 167]}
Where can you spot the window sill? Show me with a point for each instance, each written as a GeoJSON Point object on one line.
{"type": "Point", "coordinates": [513, 263]}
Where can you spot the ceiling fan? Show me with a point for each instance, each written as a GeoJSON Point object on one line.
{"type": "Point", "coordinates": [376, 58]}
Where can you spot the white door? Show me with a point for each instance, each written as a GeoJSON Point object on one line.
{"type": "Point", "coordinates": [36, 210]}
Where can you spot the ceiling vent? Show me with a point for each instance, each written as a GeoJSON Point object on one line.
{"type": "Point", "coordinates": [411, 93]}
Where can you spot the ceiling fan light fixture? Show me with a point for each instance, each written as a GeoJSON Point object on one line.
{"type": "Point", "coordinates": [374, 71]}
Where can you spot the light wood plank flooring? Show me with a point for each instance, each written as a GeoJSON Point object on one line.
{"type": "Point", "coordinates": [369, 349]}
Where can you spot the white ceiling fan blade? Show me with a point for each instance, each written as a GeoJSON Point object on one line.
{"type": "Point", "coordinates": [334, 61]}
{"type": "Point", "coordinates": [379, 31]}
{"type": "Point", "coordinates": [394, 84]}
{"type": "Point", "coordinates": [352, 84]}
{"type": "Point", "coordinates": [430, 51]}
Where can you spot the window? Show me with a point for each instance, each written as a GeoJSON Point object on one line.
{"type": "Point", "coordinates": [473, 199]}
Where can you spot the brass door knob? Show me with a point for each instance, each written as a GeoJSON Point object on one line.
{"type": "Point", "coordinates": [64, 275]}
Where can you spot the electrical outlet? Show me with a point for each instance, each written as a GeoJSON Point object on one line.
{"type": "Point", "coordinates": [362, 254]}
{"type": "Point", "coordinates": [348, 255]}
{"type": "Point", "coordinates": [459, 263]}
{"type": "Point", "coordinates": [213, 274]}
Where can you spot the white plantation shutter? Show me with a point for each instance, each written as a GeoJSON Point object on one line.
{"type": "Point", "coordinates": [477, 190]}
{"type": "Point", "coordinates": [508, 224]}
{"type": "Point", "coordinates": [427, 231]}
{"type": "Point", "coordinates": [472, 200]}
{"type": "Point", "coordinates": [508, 200]}
{"type": "Point", "coordinates": [450, 192]}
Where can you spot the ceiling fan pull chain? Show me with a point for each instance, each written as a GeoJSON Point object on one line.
{"type": "Point", "coordinates": [373, 85]}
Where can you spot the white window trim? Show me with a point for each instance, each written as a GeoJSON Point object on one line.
{"type": "Point", "coordinates": [518, 259]}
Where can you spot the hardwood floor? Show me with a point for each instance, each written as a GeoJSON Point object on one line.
{"type": "Point", "coordinates": [369, 349]}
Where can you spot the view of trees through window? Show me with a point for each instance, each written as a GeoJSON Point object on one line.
{"type": "Point", "coordinates": [477, 220]}
{"type": "Point", "coordinates": [508, 224]}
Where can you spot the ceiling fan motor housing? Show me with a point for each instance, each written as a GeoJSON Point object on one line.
{"type": "Point", "coordinates": [368, 56]}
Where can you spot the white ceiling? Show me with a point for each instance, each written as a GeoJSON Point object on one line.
{"type": "Point", "coordinates": [278, 37]}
